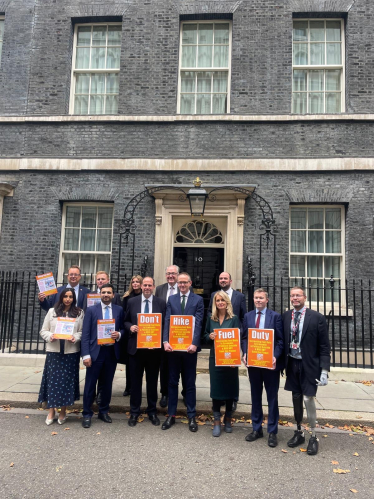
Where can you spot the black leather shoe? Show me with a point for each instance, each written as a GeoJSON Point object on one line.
{"type": "Point", "coordinates": [254, 435]}
{"type": "Point", "coordinates": [312, 446]}
{"type": "Point", "coordinates": [234, 405]}
{"type": "Point", "coordinates": [105, 417]}
{"type": "Point", "coordinates": [86, 422]}
{"type": "Point", "coordinates": [192, 425]}
{"type": "Point", "coordinates": [126, 393]}
{"type": "Point", "coordinates": [168, 423]}
{"type": "Point", "coordinates": [164, 401]}
{"type": "Point", "coordinates": [154, 420]}
{"type": "Point", "coordinates": [297, 439]}
{"type": "Point", "coordinates": [132, 421]}
{"type": "Point", "coordinates": [272, 440]}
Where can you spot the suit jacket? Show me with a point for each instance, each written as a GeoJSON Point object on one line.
{"type": "Point", "coordinates": [53, 299]}
{"type": "Point", "coordinates": [89, 344]}
{"type": "Point", "coordinates": [314, 344]}
{"type": "Point", "coordinates": [194, 306]}
{"type": "Point", "coordinates": [238, 304]}
{"type": "Point", "coordinates": [116, 300]}
{"type": "Point", "coordinates": [134, 307]}
{"type": "Point", "coordinates": [162, 291]}
{"type": "Point", "coordinates": [273, 320]}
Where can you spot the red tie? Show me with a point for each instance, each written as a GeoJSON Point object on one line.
{"type": "Point", "coordinates": [258, 320]}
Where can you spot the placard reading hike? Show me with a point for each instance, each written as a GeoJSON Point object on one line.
{"type": "Point", "coordinates": [105, 328]}
{"type": "Point", "coordinates": [227, 347]}
{"type": "Point", "coordinates": [260, 348]}
{"type": "Point", "coordinates": [64, 328]}
{"type": "Point", "coordinates": [46, 283]}
{"type": "Point", "coordinates": [93, 299]}
{"type": "Point", "coordinates": [149, 333]}
{"type": "Point", "coordinates": [181, 331]}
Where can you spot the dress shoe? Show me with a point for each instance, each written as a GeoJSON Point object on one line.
{"type": "Point", "coordinates": [192, 425]}
{"type": "Point", "coordinates": [254, 435]}
{"type": "Point", "coordinates": [154, 419]}
{"type": "Point", "coordinates": [86, 422]}
{"type": "Point", "coordinates": [312, 446]}
{"type": "Point", "coordinates": [272, 440]}
{"type": "Point", "coordinates": [297, 439]}
{"type": "Point", "coordinates": [62, 420]}
{"type": "Point", "coordinates": [133, 420]}
{"type": "Point", "coordinates": [48, 422]}
{"type": "Point", "coordinates": [164, 401]}
{"type": "Point", "coordinates": [126, 393]}
{"type": "Point", "coordinates": [105, 417]}
{"type": "Point", "coordinates": [234, 405]}
{"type": "Point", "coordinates": [168, 423]}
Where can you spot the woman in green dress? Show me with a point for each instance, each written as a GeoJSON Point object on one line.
{"type": "Point", "coordinates": [224, 381]}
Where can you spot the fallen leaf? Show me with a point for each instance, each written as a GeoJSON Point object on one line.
{"type": "Point", "coordinates": [27, 417]}
{"type": "Point", "coordinates": [65, 429]}
{"type": "Point", "coordinates": [351, 434]}
{"type": "Point", "coordinates": [58, 468]}
{"type": "Point", "coordinates": [353, 490]}
{"type": "Point", "coordinates": [358, 417]}
{"type": "Point", "coordinates": [198, 372]}
{"type": "Point", "coordinates": [302, 450]}
{"type": "Point", "coordinates": [356, 454]}
{"type": "Point", "coordinates": [11, 465]}
{"type": "Point", "coordinates": [54, 433]}
{"type": "Point", "coordinates": [329, 425]}
{"type": "Point", "coordinates": [324, 436]}
{"type": "Point", "coordinates": [336, 382]}
{"type": "Point", "coordinates": [98, 433]}
{"type": "Point", "coordinates": [334, 462]}
{"type": "Point", "coordinates": [184, 421]}
{"type": "Point", "coordinates": [36, 372]}
{"type": "Point", "coordinates": [339, 471]}
{"type": "Point", "coordinates": [40, 409]}
{"type": "Point", "coordinates": [285, 451]}
{"type": "Point", "coordinates": [370, 439]}
{"type": "Point", "coordinates": [140, 420]}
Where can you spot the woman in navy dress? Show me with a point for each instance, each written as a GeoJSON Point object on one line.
{"type": "Point", "coordinates": [60, 382]}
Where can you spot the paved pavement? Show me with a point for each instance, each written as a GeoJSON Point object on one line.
{"type": "Point", "coordinates": [116, 461]}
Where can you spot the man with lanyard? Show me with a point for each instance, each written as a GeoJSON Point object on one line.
{"type": "Point", "coordinates": [307, 362]}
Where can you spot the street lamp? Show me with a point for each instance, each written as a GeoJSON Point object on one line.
{"type": "Point", "coordinates": [197, 199]}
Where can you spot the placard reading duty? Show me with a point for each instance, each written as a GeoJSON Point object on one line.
{"type": "Point", "coordinates": [227, 347]}
{"type": "Point", "coordinates": [181, 331]}
{"type": "Point", "coordinates": [93, 299]}
{"type": "Point", "coordinates": [105, 328]}
{"type": "Point", "coordinates": [260, 348]}
{"type": "Point", "coordinates": [64, 328]}
{"type": "Point", "coordinates": [149, 333]}
{"type": "Point", "coordinates": [46, 283]}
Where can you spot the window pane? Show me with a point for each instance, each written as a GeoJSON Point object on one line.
{"type": "Point", "coordinates": [299, 103]}
{"type": "Point", "coordinates": [88, 217]}
{"type": "Point", "coordinates": [82, 60]}
{"type": "Point", "coordinates": [298, 241]}
{"type": "Point", "coordinates": [316, 103]}
{"type": "Point", "coordinates": [315, 266]}
{"type": "Point", "coordinates": [189, 56]}
{"type": "Point", "coordinates": [333, 218]}
{"type": "Point", "coordinates": [220, 81]}
{"type": "Point", "coordinates": [315, 241]}
{"type": "Point", "coordinates": [99, 35]}
{"type": "Point", "coordinates": [104, 240]}
{"type": "Point", "coordinates": [299, 80]}
{"type": "Point", "coordinates": [187, 104]}
{"type": "Point", "coordinates": [82, 84]}
{"type": "Point", "coordinates": [298, 218]}
{"type": "Point", "coordinates": [69, 260]}
{"type": "Point", "coordinates": [333, 241]}
{"type": "Point", "coordinates": [84, 35]}
{"type": "Point", "coordinates": [88, 239]}
{"type": "Point", "coordinates": [203, 104]}
{"type": "Point", "coordinates": [297, 266]}
{"type": "Point", "coordinates": [1, 48]}
{"type": "Point", "coordinates": [105, 218]}
{"type": "Point", "coordinates": [189, 33]}
{"type": "Point", "coordinates": [317, 53]}
{"type": "Point", "coordinates": [204, 59]}
{"type": "Point", "coordinates": [221, 33]}
{"type": "Point", "coordinates": [187, 81]}
{"type": "Point", "coordinates": [87, 264]}
{"type": "Point", "coordinates": [73, 216]}
{"type": "Point", "coordinates": [1, 29]}
{"type": "Point", "coordinates": [333, 103]}
{"type": "Point", "coordinates": [315, 220]}
{"type": "Point", "coordinates": [81, 104]}
{"type": "Point", "coordinates": [219, 104]}
{"type": "Point", "coordinates": [114, 35]}
{"type": "Point", "coordinates": [204, 81]}
{"type": "Point", "coordinates": [300, 53]}
{"type": "Point", "coordinates": [300, 31]}
{"type": "Point", "coordinates": [316, 80]}
{"type": "Point", "coordinates": [97, 84]}
{"type": "Point", "coordinates": [333, 80]}
{"type": "Point", "coordinates": [333, 53]}
{"type": "Point", "coordinates": [71, 240]}
{"type": "Point", "coordinates": [111, 104]}
{"type": "Point", "coordinates": [333, 29]}
{"type": "Point", "coordinates": [97, 104]}
{"type": "Point", "coordinates": [113, 58]}
{"type": "Point", "coordinates": [332, 266]}
{"type": "Point", "coordinates": [103, 263]}
{"type": "Point", "coordinates": [221, 56]}
{"type": "Point", "coordinates": [205, 33]}
{"type": "Point", "coordinates": [98, 58]}
{"type": "Point", "coordinates": [317, 31]}
{"type": "Point", "coordinates": [112, 83]}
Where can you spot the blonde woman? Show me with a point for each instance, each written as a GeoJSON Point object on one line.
{"type": "Point", "coordinates": [134, 290]}
{"type": "Point", "coordinates": [224, 381]}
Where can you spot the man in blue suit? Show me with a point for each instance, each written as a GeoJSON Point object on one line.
{"type": "Point", "coordinates": [185, 302]}
{"type": "Point", "coordinates": [74, 276]}
{"type": "Point", "coordinates": [264, 318]}
{"type": "Point", "coordinates": [100, 359]}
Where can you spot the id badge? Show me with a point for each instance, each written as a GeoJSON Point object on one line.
{"type": "Point", "coordinates": [294, 346]}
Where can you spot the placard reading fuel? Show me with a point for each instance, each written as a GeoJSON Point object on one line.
{"type": "Point", "coordinates": [260, 348]}
{"type": "Point", "coordinates": [181, 331]}
{"type": "Point", "coordinates": [149, 332]}
{"type": "Point", "coordinates": [227, 347]}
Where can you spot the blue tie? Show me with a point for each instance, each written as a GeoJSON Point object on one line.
{"type": "Point", "coordinates": [107, 316]}
{"type": "Point", "coordinates": [146, 308]}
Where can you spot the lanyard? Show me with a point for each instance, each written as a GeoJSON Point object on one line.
{"type": "Point", "coordinates": [295, 327]}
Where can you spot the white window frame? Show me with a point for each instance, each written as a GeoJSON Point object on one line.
{"type": "Point", "coordinates": [2, 19]}
{"type": "Point", "coordinates": [91, 71]}
{"type": "Point", "coordinates": [211, 69]}
{"type": "Point", "coordinates": [321, 66]}
{"type": "Point", "coordinates": [60, 277]}
{"type": "Point", "coordinates": [306, 254]}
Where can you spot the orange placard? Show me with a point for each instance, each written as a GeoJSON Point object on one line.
{"type": "Point", "coordinates": [227, 347]}
{"type": "Point", "coordinates": [93, 299]}
{"type": "Point", "coordinates": [149, 332]}
{"type": "Point", "coordinates": [105, 328]}
{"type": "Point", "coordinates": [64, 328]}
{"type": "Point", "coordinates": [181, 331]}
{"type": "Point", "coordinates": [46, 283]}
{"type": "Point", "coordinates": [260, 350]}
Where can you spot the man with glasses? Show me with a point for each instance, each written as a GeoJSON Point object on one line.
{"type": "Point", "coordinates": [74, 277]}
{"type": "Point", "coordinates": [307, 362]}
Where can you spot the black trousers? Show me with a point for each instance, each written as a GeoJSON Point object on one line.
{"type": "Point", "coordinates": [148, 361]}
{"type": "Point", "coordinates": [216, 405]}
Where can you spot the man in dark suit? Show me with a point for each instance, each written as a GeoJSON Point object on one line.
{"type": "Point", "coordinates": [74, 276]}
{"type": "Point", "coordinates": [183, 303]}
{"type": "Point", "coordinates": [97, 358]}
{"type": "Point", "coordinates": [143, 359]}
{"type": "Point", "coordinates": [264, 318]}
{"type": "Point", "coordinates": [307, 362]}
{"type": "Point", "coordinates": [102, 278]}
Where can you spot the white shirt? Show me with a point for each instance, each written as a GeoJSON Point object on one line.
{"type": "Point", "coordinates": [262, 317]}
{"type": "Point", "coordinates": [175, 287]}
{"type": "Point", "coordinates": [186, 295]}
{"type": "Point", "coordinates": [229, 292]}
{"type": "Point", "coordinates": [150, 299]}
